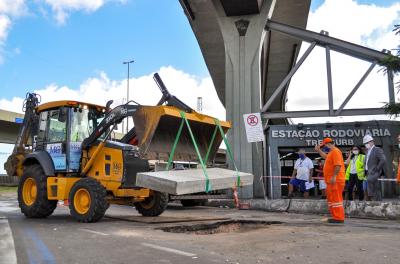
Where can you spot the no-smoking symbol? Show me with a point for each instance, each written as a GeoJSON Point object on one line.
{"type": "Point", "coordinates": [252, 120]}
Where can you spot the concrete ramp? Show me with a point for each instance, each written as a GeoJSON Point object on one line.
{"type": "Point", "coordinates": [180, 182]}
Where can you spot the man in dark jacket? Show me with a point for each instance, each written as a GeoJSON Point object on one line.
{"type": "Point", "coordinates": [375, 163]}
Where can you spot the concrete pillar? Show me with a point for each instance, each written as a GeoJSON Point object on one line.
{"type": "Point", "coordinates": [243, 37]}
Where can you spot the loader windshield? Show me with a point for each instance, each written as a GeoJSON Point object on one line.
{"type": "Point", "coordinates": [83, 122]}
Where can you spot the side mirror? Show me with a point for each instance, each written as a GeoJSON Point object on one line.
{"type": "Point", "coordinates": [62, 116]}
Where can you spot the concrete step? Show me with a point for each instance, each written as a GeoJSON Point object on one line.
{"type": "Point", "coordinates": [180, 182]}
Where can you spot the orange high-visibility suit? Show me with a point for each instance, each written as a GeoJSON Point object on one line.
{"type": "Point", "coordinates": [398, 172]}
{"type": "Point", "coordinates": [334, 192]}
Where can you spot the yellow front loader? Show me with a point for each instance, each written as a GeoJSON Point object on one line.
{"type": "Point", "coordinates": [72, 156]}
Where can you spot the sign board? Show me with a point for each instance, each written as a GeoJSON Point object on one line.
{"type": "Point", "coordinates": [254, 129]}
{"type": "Point", "coordinates": [343, 136]}
{"type": "Point", "coordinates": [19, 120]}
{"type": "Point", "coordinates": [59, 159]}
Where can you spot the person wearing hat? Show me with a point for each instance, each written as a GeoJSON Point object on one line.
{"type": "Point", "coordinates": [374, 166]}
{"type": "Point", "coordinates": [334, 175]}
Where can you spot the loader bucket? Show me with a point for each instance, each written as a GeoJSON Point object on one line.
{"type": "Point", "coordinates": [157, 128]}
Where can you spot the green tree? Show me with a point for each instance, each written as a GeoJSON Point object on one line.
{"type": "Point", "coordinates": [392, 63]}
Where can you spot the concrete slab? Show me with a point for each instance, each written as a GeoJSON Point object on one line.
{"type": "Point", "coordinates": [191, 181]}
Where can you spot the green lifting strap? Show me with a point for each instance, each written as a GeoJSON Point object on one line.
{"type": "Point", "coordinates": [208, 185]}
{"type": "Point", "coordinates": [210, 145]}
{"type": "Point", "coordinates": [178, 135]}
{"type": "Point", "coordinates": [228, 149]}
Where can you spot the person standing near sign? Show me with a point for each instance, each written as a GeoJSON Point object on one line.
{"type": "Point", "coordinates": [334, 175]}
{"type": "Point", "coordinates": [302, 173]}
{"type": "Point", "coordinates": [375, 162]}
{"type": "Point", "coordinates": [355, 172]}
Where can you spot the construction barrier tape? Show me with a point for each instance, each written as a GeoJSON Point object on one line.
{"type": "Point", "coordinates": [319, 178]}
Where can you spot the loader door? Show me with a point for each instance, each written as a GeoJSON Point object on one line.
{"type": "Point", "coordinates": [52, 136]}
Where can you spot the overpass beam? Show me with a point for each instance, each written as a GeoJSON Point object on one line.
{"type": "Point", "coordinates": [243, 38]}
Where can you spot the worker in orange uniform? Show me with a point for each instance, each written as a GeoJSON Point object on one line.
{"type": "Point", "coordinates": [398, 162]}
{"type": "Point", "coordinates": [334, 175]}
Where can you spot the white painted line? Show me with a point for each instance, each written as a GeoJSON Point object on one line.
{"type": "Point", "coordinates": [2, 203]}
{"type": "Point", "coordinates": [7, 209]}
{"type": "Point", "coordinates": [7, 248]}
{"type": "Point", "coordinates": [93, 232]}
{"type": "Point", "coordinates": [171, 250]}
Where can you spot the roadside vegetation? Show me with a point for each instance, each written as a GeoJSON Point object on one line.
{"type": "Point", "coordinates": [392, 63]}
{"type": "Point", "coordinates": [8, 189]}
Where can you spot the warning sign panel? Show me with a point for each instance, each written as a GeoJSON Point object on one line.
{"type": "Point", "coordinates": [254, 128]}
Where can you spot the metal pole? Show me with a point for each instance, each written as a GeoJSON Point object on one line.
{"type": "Point", "coordinates": [355, 89]}
{"type": "Point", "coordinates": [127, 92]}
{"type": "Point", "coordinates": [127, 100]}
{"type": "Point", "coordinates": [288, 77]}
{"type": "Point", "coordinates": [391, 86]}
{"type": "Point", "coordinates": [329, 78]}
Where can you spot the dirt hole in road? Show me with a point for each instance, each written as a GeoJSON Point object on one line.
{"type": "Point", "coordinates": [220, 227]}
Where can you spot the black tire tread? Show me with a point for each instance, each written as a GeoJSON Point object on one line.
{"type": "Point", "coordinates": [98, 196]}
{"type": "Point", "coordinates": [42, 207]}
{"type": "Point", "coordinates": [158, 208]}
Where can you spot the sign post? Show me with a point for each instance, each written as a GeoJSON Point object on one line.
{"type": "Point", "coordinates": [254, 128]}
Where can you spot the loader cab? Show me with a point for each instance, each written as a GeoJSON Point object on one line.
{"type": "Point", "coordinates": [63, 125]}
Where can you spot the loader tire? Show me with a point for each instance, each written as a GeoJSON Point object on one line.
{"type": "Point", "coordinates": [88, 200]}
{"type": "Point", "coordinates": [154, 205]}
{"type": "Point", "coordinates": [32, 193]}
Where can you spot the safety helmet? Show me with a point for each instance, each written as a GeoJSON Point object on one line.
{"type": "Point", "coordinates": [367, 138]}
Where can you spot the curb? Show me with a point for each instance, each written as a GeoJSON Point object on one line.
{"type": "Point", "coordinates": [389, 210]}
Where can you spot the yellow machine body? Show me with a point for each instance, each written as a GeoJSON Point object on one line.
{"type": "Point", "coordinates": [113, 165]}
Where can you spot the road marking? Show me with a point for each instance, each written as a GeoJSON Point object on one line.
{"type": "Point", "coordinates": [7, 248]}
{"type": "Point", "coordinates": [43, 253]}
{"type": "Point", "coordinates": [6, 207]}
{"type": "Point", "coordinates": [171, 250]}
{"type": "Point", "coordinates": [94, 232]}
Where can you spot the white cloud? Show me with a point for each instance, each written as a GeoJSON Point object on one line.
{"type": "Point", "coordinates": [143, 90]}
{"type": "Point", "coordinates": [13, 8]}
{"type": "Point", "coordinates": [5, 24]}
{"type": "Point", "coordinates": [368, 25]}
{"type": "Point", "coordinates": [62, 8]}
{"type": "Point", "coordinates": [9, 10]}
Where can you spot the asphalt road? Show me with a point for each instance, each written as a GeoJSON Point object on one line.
{"type": "Point", "coordinates": [125, 237]}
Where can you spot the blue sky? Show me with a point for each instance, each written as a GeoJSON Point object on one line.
{"type": "Point", "coordinates": [154, 35]}
{"type": "Point", "coordinates": [39, 51]}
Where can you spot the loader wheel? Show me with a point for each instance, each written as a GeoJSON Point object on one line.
{"type": "Point", "coordinates": [88, 200]}
{"type": "Point", "coordinates": [32, 193]}
{"type": "Point", "coordinates": [154, 205]}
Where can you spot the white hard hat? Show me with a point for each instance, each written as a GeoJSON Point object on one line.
{"type": "Point", "coordinates": [367, 138]}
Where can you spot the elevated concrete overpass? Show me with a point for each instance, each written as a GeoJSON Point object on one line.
{"type": "Point", "coordinates": [279, 52]}
{"type": "Point", "coordinates": [246, 63]}
{"type": "Point", "coordinates": [9, 123]}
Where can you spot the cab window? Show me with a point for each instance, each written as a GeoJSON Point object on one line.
{"type": "Point", "coordinates": [84, 121]}
{"type": "Point", "coordinates": [57, 131]}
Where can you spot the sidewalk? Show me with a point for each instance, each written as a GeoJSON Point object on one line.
{"type": "Point", "coordinates": [388, 209]}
